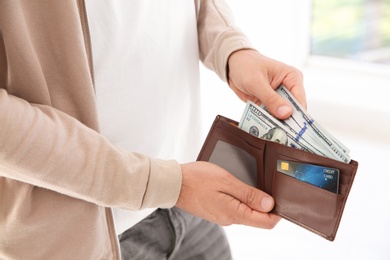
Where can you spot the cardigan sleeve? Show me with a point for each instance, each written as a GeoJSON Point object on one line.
{"type": "Point", "coordinates": [48, 122]}
{"type": "Point", "coordinates": [218, 36]}
{"type": "Point", "coordinates": [47, 148]}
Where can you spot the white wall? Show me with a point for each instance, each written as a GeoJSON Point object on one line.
{"type": "Point", "coordinates": [351, 101]}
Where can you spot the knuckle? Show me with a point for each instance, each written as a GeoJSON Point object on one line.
{"type": "Point", "coordinates": [295, 76]}
{"type": "Point", "coordinates": [240, 214]}
{"type": "Point", "coordinates": [249, 196]}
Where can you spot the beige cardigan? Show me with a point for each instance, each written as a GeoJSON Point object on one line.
{"type": "Point", "coordinates": [58, 176]}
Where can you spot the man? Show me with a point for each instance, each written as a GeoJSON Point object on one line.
{"type": "Point", "coordinates": [87, 104]}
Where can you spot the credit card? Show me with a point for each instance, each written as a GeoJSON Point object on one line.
{"type": "Point", "coordinates": [324, 177]}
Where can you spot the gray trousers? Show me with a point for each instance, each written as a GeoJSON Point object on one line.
{"type": "Point", "coordinates": [175, 235]}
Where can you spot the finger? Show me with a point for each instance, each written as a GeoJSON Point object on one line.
{"type": "Point", "coordinates": [261, 220]}
{"type": "Point", "coordinates": [294, 83]}
{"type": "Point", "coordinates": [274, 103]}
{"type": "Point", "coordinates": [250, 217]}
{"type": "Point", "coordinates": [300, 95]}
{"type": "Point", "coordinates": [250, 196]}
{"type": "Point", "coordinates": [247, 205]}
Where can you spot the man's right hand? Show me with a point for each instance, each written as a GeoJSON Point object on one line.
{"type": "Point", "coordinates": [210, 192]}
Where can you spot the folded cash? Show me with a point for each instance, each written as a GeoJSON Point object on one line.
{"type": "Point", "coordinates": [300, 130]}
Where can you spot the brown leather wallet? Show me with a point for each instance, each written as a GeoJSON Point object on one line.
{"type": "Point", "coordinates": [254, 160]}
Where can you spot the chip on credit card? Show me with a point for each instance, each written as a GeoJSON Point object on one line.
{"type": "Point", "coordinates": [324, 177]}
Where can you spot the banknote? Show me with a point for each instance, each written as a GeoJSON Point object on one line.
{"type": "Point", "coordinates": [323, 137]}
{"type": "Point", "coordinates": [300, 130]}
{"type": "Point", "coordinates": [258, 122]}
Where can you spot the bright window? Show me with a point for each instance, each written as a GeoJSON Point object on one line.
{"type": "Point", "coordinates": [352, 29]}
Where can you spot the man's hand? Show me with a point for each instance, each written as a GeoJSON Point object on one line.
{"type": "Point", "coordinates": [254, 77]}
{"type": "Point", "coordinates": [210, 192]}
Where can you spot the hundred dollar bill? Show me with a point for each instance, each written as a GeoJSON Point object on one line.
{"type": "Point", "coordinates": [301, 130]}
{"type": "Point", "coordinates": [286, 94]}
{"type": "Point", "coordinates": [323, 137]}
{"type": "Point", "coordinates": [258, 122]}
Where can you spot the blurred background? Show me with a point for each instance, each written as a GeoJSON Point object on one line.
{"type": "Point", "coordinates": [343, 50]}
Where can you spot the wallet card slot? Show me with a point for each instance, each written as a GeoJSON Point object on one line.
{"type": "Point", "coordinates": [344, 179]}
{"type": "Point", "coordinates": [345, 170]}
{"type": "Point", "coordinates": [306, 205]}
{"type": "Point", "coordinates": [302, 203]}
{"type": "Point", "coordinates": [343, 188]}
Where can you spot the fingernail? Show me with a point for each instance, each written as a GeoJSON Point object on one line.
{"type": "Point", "coordinates": [267, 203]}
{"type": "Point", "coordinates": [283, 110]}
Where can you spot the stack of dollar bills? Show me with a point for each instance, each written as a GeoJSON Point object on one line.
{"type": "Point", "coordinates": [300, 130]}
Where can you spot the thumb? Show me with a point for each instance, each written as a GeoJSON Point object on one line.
{"type": "Point", "coordinates": [254, 198]}
{"type": "Point", "coordinates": [274, 103]}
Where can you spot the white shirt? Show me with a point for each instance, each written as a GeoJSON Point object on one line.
{"type": "Point", "coordinates": [146, 70]}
